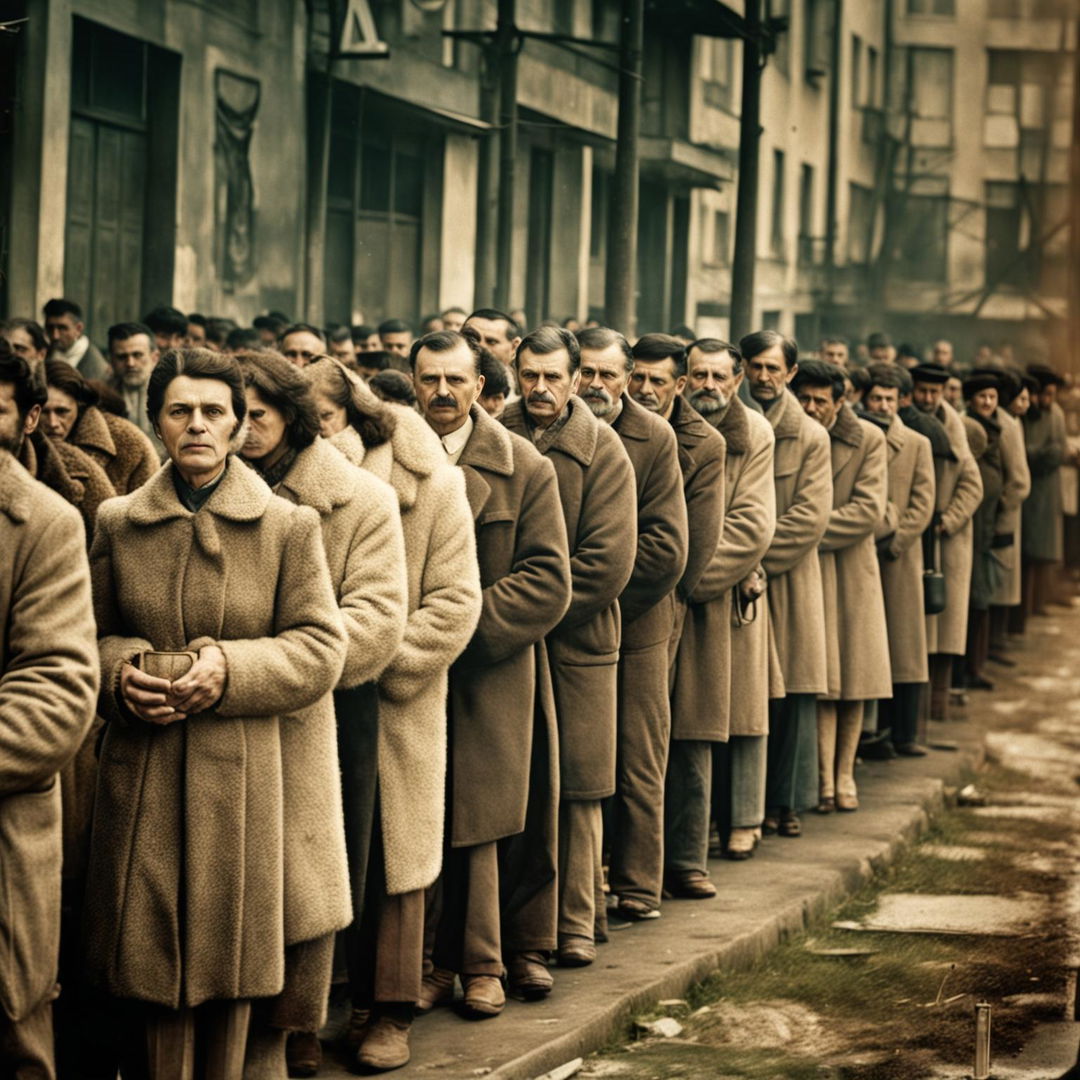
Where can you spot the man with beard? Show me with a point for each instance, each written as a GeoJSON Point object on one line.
{"type": "Point", "coordinates": [898, 538]}
{"type": "Point", "coordinates": [134, 356]}
{"type": "Point", "coordinates": [596, 488]}
{"type": "Point", "coordinates": [635, 839]}
{"type": "Point", "coordinates": [721, 683]}
{"type": "Point", "coordinates": [802, 477]}
{"type": "Point", "coordinates": [958, 494]}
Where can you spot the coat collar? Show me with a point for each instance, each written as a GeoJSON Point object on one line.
{"type": "Point", "coordinates": [735, 427]}
{"type": "Point", "coordinates": [489, 450]}
{"type": "Point", "coordinates": [576, 439]}
{"type": "Point", "coordinates": [92, 431]}
{"type": "Point", "coordinates": [786, 416]}
{"type": "Point", "coordinates": [43, 461]}
{"type": "Point", "coordinates": [847, 427]}
{"type": "Point", "coordinates": [896, 435]}
{"type": "Point", "coordinates": [15, 489]}
{"type": "Point", "coordinates": [319, 478]}
{"type": "Point", "coordinates": [634, 421]}
{"type": "Point", "coordinates": [241, 496]}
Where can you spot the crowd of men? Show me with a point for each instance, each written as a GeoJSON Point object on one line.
{"type": "Point", "coordinates": [696, 581]}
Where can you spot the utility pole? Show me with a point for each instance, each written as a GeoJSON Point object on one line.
{"type": "Point", "coordinates": [621, 277]}
{"type": "Point", "coordinates": [1073, 299]}
{"type": "Point", "coordinates": [506, 49]}
{"type": "Point", "coordinates": [743, 264]}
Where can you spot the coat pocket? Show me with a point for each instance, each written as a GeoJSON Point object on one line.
{"type": "Point", "coordinates": [30, 856]}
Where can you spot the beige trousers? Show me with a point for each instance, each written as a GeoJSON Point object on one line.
{"type": "Point", "coordinates": [581, 838]}
{"type": "Point", "coordinates": [839, 728]}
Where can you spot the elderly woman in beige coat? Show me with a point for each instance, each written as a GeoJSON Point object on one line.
{"type": "Point", "coordinates": [217, 870]}
{"type": "Point", "coordinates": [395, 445]}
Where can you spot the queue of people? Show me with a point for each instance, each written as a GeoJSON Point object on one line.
{"type": "Point", "coordinates": [411, 691]}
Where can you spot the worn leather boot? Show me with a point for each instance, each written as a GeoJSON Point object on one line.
{"type": "Point", "coordinates": [528, 976]}
{"type": "Point", "coordinates": [386, 1044]}
{"type": "Point", "coordinates": [484, 996]}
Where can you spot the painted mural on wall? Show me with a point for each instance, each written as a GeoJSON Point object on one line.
{"type": "Point", "coordinates": [237, 103]}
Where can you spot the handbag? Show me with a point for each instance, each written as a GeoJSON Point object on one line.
{"type": "Point", "coordinates": [934, 591]}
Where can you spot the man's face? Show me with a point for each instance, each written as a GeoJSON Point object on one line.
{"type": "Point", "coordinates": [133, 359]}
{"type": "Point", "coordinates": [835, 352]}
{"type": "Point", "coordinates": [398, 343]}
{"type": "Point", "coordinates": [369, 344]}
{"type": "Point", "coordinates": [493, 336]}
{"type": "Point", "coordinates": [265, 429]}
{"type": "Point", "coordinates": [712, 381]}
{"type": "Point", "coordinates": [59, 414]}
{"type": "Point", "coordinates": [446, 385]}
{"type": "Point", "coordinates": [985, 402]}
{"type": "Point", "coordinates": [22, 344]}
{"type": "Point", "coordinates": [882, 354]}
{"type": "Point", "coordinates": [168, 341]}
{"type": "Point", "coordinates": [267, 337]}
{"type": "Point", "coordinates": [768, 374]}
{"type": "Point", "coordinates": [196, 423]}
{"type": "Point", "coordinates": [818, 403]}
{"type": "Point", "coordinates": [1047, 396]}
{"type": "Point", "coordinates": [196, 335]}
{"type": "Point", "coordinates": [546, 384]}
{"type": "Point", "coordinates": [453, 320]}
{"type": "Point", "coordinates": [63, 331]}
{"type": "Point", "coordinates": [14, 428]}
{"type": "Point", "coordinates": [493, 404]}
{"type": "Point", "coordinates": [655, 385]}
{"type": "Point", "coordinates": [1021, 403]}
{"type": "Point", "coordinates": [943, 353]}
{"type": "Point", "coordinates": [345, 351]}
{"type": "Point", "coordinates": [301, 347]}
{"type": "Point", "coordinates": [602, 379]}
{"type": "Point", "coordinates": [882, 400]}
{"type": "Point", "coordinates": [927, 396]}
{"type": "Point", "coordinates": [954, 392]}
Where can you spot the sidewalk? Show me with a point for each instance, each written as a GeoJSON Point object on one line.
{"type": "Point", "coordinates": [787, 884]}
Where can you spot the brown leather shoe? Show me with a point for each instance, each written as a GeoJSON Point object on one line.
{"type": "Point", "coordinates": [484, 996]}
{"type": "Point", "coordinates": [303, 1054]}
{"type": "Point", "coordinates": [528, 976]}
{"type": "Point", "coordinates": [847, 804]}
{"type": "Point", "coordinates": [386, 1045]}
{"type": "Point", "coordinates": [691, 885]}
{"type": "Point", "coordinates": [741, 844]}
{"type": "Point", "coordinates": [437, 988]}
{"type": "Point", "coordinates": [356, 1028]}
{"type": "Point", "coordinates": [635, 910]}
{"type": "Point", "coordinates": [576, 952]}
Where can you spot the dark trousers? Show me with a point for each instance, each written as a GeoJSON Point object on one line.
{"type": "Point", "coordinates": [978, 642]}
{"type": "Point", "coordinates": [900, 714]}
{"type": "Point", "coordinates": [792, 778]}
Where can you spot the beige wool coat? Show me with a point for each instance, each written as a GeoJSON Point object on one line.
{"type": "Point", "coordinates": [959, 493]}
{"type": "Point", "coordinates": [501, 697]}
{"type": "Point", "coordinates": [802, 479]}
{"type": "Point", "coordinates": [443, 607]}
{"type": "Point", "coordinates": [899, 541]}
{"type": "Point", "coordinates": [217, 840]}
{"type": "Point", "coordinates": [857, 639]}
{"type": "Point", "coordinates": [598, 497]}
{"type": "Point", "coordinates": [1016, 489]}
{"type": "Point", "coordinates": [118, 446]}
{"type": "Point", "coordinates": [717, 694]}
{"type": "Point", "coordinates": [48, 690]}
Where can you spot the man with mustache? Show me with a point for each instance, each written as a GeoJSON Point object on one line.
{"type": "Point", "coordinates": [596, 488]}
{"type": "Point", "coordinates": [635, 834]}
{"type": "Point", "coordinates": [721, 685]}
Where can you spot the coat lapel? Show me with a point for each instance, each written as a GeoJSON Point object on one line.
{"type": "Point", "coordinates": [488, 450]}
{"type": "Point", "coordinates": [847, 436]}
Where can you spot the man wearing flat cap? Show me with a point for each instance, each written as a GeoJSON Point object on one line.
{"type": "Point", "coordinates": [959, 493]}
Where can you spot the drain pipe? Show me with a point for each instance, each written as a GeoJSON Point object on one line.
{"type": "Point", "coordinates": [982, 1042]}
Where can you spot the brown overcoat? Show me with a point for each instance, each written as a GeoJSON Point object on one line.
{"type": "Point", "coordinates": [715, 695]}
{"type": "Point", "coordinates": [959, 493]}
{"type": "Point", "coordinates": [856, 636]}
{"type": "Point", "coordinates": [598, 497]}
{"type": "Point", "coordinates": [118, 446]}
{"type": "Point", "coordinates": [802, 475]}
{"type": "Point", "coordinates": [900, 550]}
{"type": "Point", "coordinates": [217, 840]}
{"type": "Point", "coordinates": [1016, 489]}
{"type": "Point", "coordinates": [1046, 446]}
{"type": "Point", "coordinates": [500, 688]}
{"type": "Point", "coordinates": [48, 689]}
{"type": "Point", "coordinates": [444, 604]}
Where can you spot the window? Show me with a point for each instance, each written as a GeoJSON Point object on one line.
{"type": "Point", "coordinates": [781, 9]}
{"type": "Point", "coordinates": [717, 71]}
{"type": "Point", "coordinates": [1005, 9]}
{"type": "Point", "coordinates": [601, 208]}
{"type": "Point", "coordinates": [872, 77]}
{"type": "Point", "coordinates": [563, 16]}
{"type": "Point", "coordinates": [856, 71]}
{"type": "Point", "coordinates": [921, 244]}
{"type": "Point", "coordinates": [860, 224]}
{"type": "Point", "coordinates": [817, 37]}
{"type": "Point", "coordinates": [930, 96]}
{"type": "Point", "coordinates": [776, 239]}
{"type": "Point", "coordinates": [721, 237]}
{"type": "Point", "coordinates": [806, 215]}
{"type": "Point", "coordinates": [1004, 264]}
{"type": "Point", "coordinates": [931, 7]}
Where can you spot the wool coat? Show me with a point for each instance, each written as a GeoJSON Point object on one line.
{"type": "Point", "coordinates": [218, 839]}
{"type": "Point", "coordinates": [1017, 487]}
{"type": "Point", "coordinates": [118, 446]}
{"type": "Point", "coordinates": [1043, 521]}
{"type": "Point", "coordinates": [48, 689]}
{"type": "Point", "coordinates": [985, 569]}
{"type": "Point", "coordinates": [443, 607]}
{"type": "Point", "coordinates": [70, 472]}
{"type": "Point", "coordinates": [857, 640]}
{"type": "Point", "coordinates": [959, 492]}
{"type": "Point", "coordinates": [721, 687]}
{"type": "Point", "coordinates": [899, 543]}
{"type": "Point", "coordinates": [501, 697]}
{"type": "Point", "coordinates": [802, 477]}
{"type": "Point", "coordinates": [598, 497]}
